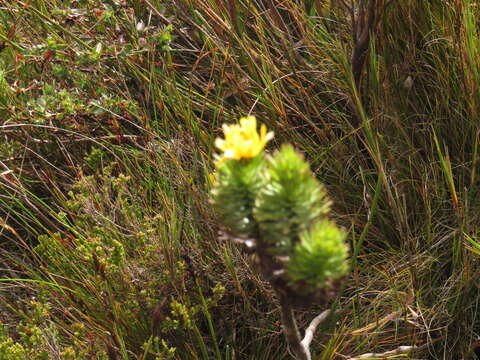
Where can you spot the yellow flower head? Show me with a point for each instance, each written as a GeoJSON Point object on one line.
{"type": "Point", "coordinates": [242, 141]}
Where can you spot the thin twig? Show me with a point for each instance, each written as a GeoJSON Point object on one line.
{"type": "Point", "coordinates": [312, 327]}
{"type": "Point", "coordinates": [300, 348]}
{"type": "Point", "coordinates": [397, 351]}
{"type": "Point", "coordinates": [250, 245]}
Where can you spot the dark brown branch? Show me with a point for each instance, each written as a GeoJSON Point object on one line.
{"type": "Point", "coordinates": [363, 24]}
{"type": "Point", "coordinates": [299, 347]}
{"type": "Point", "coordinates": [290, 329]}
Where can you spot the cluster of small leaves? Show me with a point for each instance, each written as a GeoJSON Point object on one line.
{"type": "Point", "coordinates": [98, 249]}
{"type": "Point", "coordinates": [125, 272]}
{"type": "Point", "coordinates": [38, 339]}
{"type": "Point", "coordinates": [181, 316]}
{"type": "Point", "coordinates": [235, 191]}
{"type": "Point", "coordinates": [54, 103]}
{"type": "Point", "coordinates": [291, 200]}
{"type": "Point", "coordinates": [43, 71]}
{"type": "Point", "coordinates": [320, 255]}
{"type": "Point", "coordinates": [159, 348]}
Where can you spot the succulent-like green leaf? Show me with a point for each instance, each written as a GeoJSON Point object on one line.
{"type": "Point", "coordinates": [234, 191]}
{"type": "Point", "coordinates": [321, 254]}
{"type": "Point", "coordinates": [290, 200]}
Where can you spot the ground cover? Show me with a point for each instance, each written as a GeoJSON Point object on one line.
{"type": "Point", "coordinates": [108, 115]}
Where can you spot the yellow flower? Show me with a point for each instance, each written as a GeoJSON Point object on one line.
{"type": "Point", "coordinates": [242, 141]}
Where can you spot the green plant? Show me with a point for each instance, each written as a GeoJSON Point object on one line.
{"type": "Point", "coordinates": [275, 205]}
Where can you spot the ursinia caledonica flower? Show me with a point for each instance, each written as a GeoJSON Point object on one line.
{"type": "Point", "coordinates": [242, 141]}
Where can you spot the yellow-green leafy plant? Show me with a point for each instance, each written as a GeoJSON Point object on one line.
{"type": "Point", "coordinates": [276, 207]}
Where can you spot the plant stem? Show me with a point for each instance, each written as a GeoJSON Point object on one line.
{"type": "Point", "coordinates": [291, 330]}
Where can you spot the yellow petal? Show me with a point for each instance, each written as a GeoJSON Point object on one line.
{"type": "Point", "coordinates": [263, 131]}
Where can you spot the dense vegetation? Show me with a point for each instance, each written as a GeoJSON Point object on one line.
{"type": "Point", "coordinates": [108, 115]}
